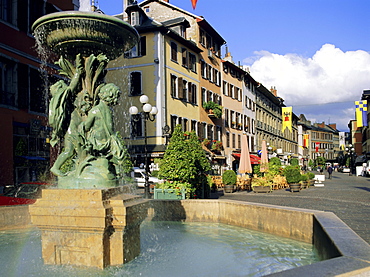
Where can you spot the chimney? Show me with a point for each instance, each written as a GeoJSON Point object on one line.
{"type": "Point", "coordinates": [273, 91]}
{"type": "Point", "coordinates": [333, 125]}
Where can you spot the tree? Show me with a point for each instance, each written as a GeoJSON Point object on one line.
{"type": "Point", "coordinates": [185, 161]}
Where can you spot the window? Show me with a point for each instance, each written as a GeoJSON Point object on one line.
{"type": "Point", "coordinates": [202, 38]}
{"type": "Point", "coordinates": [8, 11]}
{"type": "Point", "coordinates": [182, 88]}
{"type": "Point", "coordinates": [173, 51]}
{"type": "Point", "coordinates": [37, 9]}
{"type": "Point", "coordinates": [182, 32]}
{"type": "Point", "coordinates": [173, 86]}
{"type": "Point", "coordinates": [8, 80]}
{"type": "Point", "coordinates": [135, 18]}
{"type": "Point", "coordinates": [233, 141]}
{"type": "Point", "coordinates": [194, 126]}
{"type": "Point", "coordinates": [192, 93]}
{"type": "Point", "coordinates": [37, 92]}
{"type": "Point", "coordinates": [135, 83]}
{"type": "Point", "coordinates": [209, 72]}
{"type": "Point", "coordinates": [147, 9]}
{"type": "Point", "coordinates": [184, 57]}
{"type": "Point", "coordinates": [225, 87]}
{"type": "Point", "coordinates": [173, 122]}
{"type": "Point", "coordinates": [138, 50]}
{"type": "Point", "coordinates": [227, 139]}
{"type": "Point", "coordinates": [136, 126]}
{"type": "Point", "coordinates": [204, 96]}
{"type": "Point", "coordinates": [203, 68]}
{"type": "Point", "coordinates": [227, 119]}
{"type": "Point", "coordinates": [192, 62]}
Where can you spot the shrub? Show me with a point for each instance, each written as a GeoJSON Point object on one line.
{"type": "Point", "coordinates": [310, 175]}
{"type": "Point", "coordinates": [294, 161]}
{"type": "Point", "coordinates": [275, 161]}
{"type": "Point", "coordinates": [185, 161]}
{"type": "Point", "coordinates": [292, 174]}
{"type": "Point", "coordinates": [304, 177]}
{"type": "Point", "coordinates": [229, 177]}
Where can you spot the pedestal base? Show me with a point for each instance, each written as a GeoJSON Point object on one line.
{"type": "Point", "coordinates": [91, 227]}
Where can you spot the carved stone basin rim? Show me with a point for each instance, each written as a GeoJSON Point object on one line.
{"type": "Point", "coordinates": [72, 32]}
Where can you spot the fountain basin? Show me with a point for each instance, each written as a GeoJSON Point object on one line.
{"type": "Point", "coordinates": [342, 251]}
{"type": "Point", "coordinates": [72, 32]}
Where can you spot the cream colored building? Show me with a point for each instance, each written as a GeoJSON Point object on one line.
{"type": "Point", "coordinates": [165, 67]}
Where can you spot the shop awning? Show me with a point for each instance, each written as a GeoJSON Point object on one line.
{"type": "Point", "coordinates": [254, 159]}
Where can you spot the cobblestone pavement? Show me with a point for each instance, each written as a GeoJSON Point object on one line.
{"type": "Point", "coordinates": [346, 196]}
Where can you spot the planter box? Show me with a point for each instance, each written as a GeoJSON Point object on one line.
{"type": "Point", "coordinates": [295, 187]}
{"type": "Point", "coordinates": [319, 178]}
{"type": "Point", "coordinates": [169, 194]}
{"type": "Point", "coordinates": [229, 189]}
{"type": "Point", "coordinates": [262, 189]}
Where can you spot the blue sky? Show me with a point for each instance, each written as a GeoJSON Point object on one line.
{"type": "Point", "coordinates": [315, 52]}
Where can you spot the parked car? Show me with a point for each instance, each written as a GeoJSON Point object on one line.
{"type": "Point", "coordinates": [345, 169]}
{"type": "Point", "coordinates": [22, 194]}
{"type": "Point", "coordinates": [139, 177]}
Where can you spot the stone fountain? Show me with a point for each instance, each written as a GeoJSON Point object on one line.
{"type": "Point", "coordinates": [87, 220]}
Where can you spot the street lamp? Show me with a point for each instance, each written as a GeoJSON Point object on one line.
{"type": "Point", "coordinates": [149, 112]}
{"type": "Point", "coordinates": [350, 151]}
{"type": "Point", "coordinates": [269, 150]}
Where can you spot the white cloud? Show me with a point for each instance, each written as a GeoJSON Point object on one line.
{"type": "Point", "coordinates": [331, 75]}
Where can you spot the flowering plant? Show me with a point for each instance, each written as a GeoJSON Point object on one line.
{"type": "Point", "coordinates": [216, 145]}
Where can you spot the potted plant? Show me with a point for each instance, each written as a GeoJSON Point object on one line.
{"type": "Point", "coordinates": [310, 176]}
{"type": "Point", "coordinates": [216, 146]}
{"type": "Point", "coordinates": [213, 109]}
{"type": "Point", "coordinates": [172, 190]}
{"type": "Point", "coordinates": [261, 184]}
{"type": "Point", "coordinates": [229, 180]}
{"type": "Point", "coordinates": [293, 177]}
{"type": "Point", "coordinates": [304, 181]}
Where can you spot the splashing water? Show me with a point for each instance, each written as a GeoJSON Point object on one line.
{"type": "Point", "coordinates": [85, 6]}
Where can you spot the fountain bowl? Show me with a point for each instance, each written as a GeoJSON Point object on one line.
{"type": "Point", "coordinates": [70, 33]}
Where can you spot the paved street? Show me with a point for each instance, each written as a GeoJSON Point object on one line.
{"type": "Point", "coordinates": [346, 196]}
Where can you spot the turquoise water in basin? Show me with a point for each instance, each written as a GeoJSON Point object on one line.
{"type": "Point", "coordinates": [170, 249]}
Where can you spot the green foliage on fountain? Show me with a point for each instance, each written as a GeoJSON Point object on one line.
{"type": "Point", "coordinates": [80, 110]}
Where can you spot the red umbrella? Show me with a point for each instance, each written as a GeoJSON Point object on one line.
{"type": "Point", "coordinates": [245, 158]}
{"type": "Point", "coordinates": [264, 158]}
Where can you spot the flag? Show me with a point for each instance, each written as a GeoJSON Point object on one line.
{"type": "Point", "coordinates": [317, 145]}
{"type": "Point", "coordinates": [361, 113]}
{"type": "Point", "coordinates": [305, 140]}
{"type": "Point", "coordinates": [194, 3]}
{"type": "Point", "coordinates": [287, 118]}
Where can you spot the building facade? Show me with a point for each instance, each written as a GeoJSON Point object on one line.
{"type": "Point", "coordinates": [24, 148]}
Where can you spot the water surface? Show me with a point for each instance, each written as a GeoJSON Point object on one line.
{"type": "Point", "coordinates": [170, 249]}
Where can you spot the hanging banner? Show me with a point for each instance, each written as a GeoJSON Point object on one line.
{"type": "Point", "coordinates": [287, 118]}
{"type": "Point", "coordinates": [194, 3]}
{"type": "Point", "coordinates": [361, 113]}
{"type": "Point", "coordinates": [305, 140]}
{"type": "Point", "coordinates": [317, 145]}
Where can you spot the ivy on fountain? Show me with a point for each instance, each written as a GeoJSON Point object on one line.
{"type": "Point", "coordinates": [80, 113]}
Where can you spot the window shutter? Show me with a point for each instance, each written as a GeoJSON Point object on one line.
{"type": "Point", "coordinates": [181, 88]}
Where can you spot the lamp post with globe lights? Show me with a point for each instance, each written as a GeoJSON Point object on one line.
{"type": "Point", "coordinates": [350, 150]}
{"type": "Point", "coordinates": [149, 112]}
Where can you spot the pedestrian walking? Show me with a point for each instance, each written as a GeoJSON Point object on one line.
{"type": "Point", "coordinates": [330, 171]}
